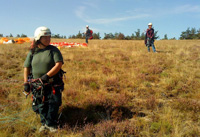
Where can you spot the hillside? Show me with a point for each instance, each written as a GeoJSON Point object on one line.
{"type": "Point", "coordinates": [112, 88]}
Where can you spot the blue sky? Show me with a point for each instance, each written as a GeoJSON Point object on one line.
{"type": "Point", "coordinates": [67, 17]}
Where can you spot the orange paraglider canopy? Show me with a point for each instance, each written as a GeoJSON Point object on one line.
{"type": "Point", "coordinates": [2, 40]}
{"type": "Point", "coordinates": [22, 40]}
{"type": "Point", "coordinates": [18, 40]}
{"type": "Point", "coordinates": [68, 45]}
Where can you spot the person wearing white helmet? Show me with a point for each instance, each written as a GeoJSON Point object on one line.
{"type": "Point", "coordinates": [88, 34]}
{"type": "Point", "coordinates": [43, 77]}
{"type": "Point", "coordinates": [149, 38]}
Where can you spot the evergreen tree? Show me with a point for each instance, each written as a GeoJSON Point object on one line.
{"type": "Point", "coordinates": [173, 38]}
{"type": "Point", "coordinates": [23, 35]}
{"type": "Point", "coordinates": [155, 35]}
{"type": "Point", "coordinates": [108, 36]}
{"type": "Point", "coordinates": [137, 34]}
{"type": "Point", "coordinates": [132, 37]}
{"type": "Point", "coordinates": [190, 34]}
{"type": "Point", "coordinates": [121, 36]}
{"type": "Point", "coordinates": [165, 37]}
{"type": "Point", "coordinates": [183, 35]}
{"type": "Point", "coordinates": [128, 37]}
{"type": "Point", "coordinates": [79, 35]}
{"type": "Point", "coordinates": [142, 36]}
{"type": "Point", "coordinates": [11, 35]}
{"type": "Point", "coordinates": [96, 36]}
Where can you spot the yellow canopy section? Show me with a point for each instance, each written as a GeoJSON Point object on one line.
{"type": "Point", "coordinates": [3, 40]}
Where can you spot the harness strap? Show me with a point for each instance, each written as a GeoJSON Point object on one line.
{"type": "Point", "coordinates": [54, 91]}
{"type": "Point", "coordinates": [43, 99]}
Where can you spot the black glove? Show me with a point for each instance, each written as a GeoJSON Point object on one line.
{"type": "Point", "coordinates": [27, 87]}
{"type": "Point", "coordinates": [45, 78]}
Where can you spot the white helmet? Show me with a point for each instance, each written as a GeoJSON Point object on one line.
{"type": "Point", "coordinates": [87, 26]}
{"type": "Point", "coordinates": [41, 31]}
{"type": "Point", "coordinates": [150, 24]}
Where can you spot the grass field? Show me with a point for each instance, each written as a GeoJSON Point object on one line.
{"type": "Point", "coordinates": [112, 88]}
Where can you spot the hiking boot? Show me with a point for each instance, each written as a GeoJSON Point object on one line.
{"type": "Point", "coordinates": [52, 128]}
{"type": "Point", "coordinates": [42, 128]}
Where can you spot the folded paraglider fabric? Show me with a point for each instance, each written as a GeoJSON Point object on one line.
{"type": "Point", "coordinates": [18, 40]}
{"type": "Point", "coordinates": [68, 45]}
{"type": "Point", "coordinates": [57, 44]}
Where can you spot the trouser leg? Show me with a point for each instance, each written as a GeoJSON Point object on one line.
{"type": "Point", "coordinates": [43, 111]}
{"type": "Point", "coordinates": [52, 115]}
{"type": "Point", "coordinates": [153, 47]}
{"type": "Point", "coordinates": [148, 47]}
{"type": "Point", "coordinates": [86, 40]}
{"type": "Point", "coordinates": [55, 101]}
{"type": "Point", "coordinates": [49, 111]}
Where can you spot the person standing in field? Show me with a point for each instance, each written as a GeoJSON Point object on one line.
{"type": "Point", "coordinates": [88, 34]}
{"type": "Point", "coordinates": [149, 38]}
{"type": "Point", "coordinates": [43, 77]}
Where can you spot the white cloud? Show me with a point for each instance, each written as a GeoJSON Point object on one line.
{"type": "Point", "coordinates": [162, 12]}
{"type": "Point", "coordinates": [80, 11]}
{"type": "Point", "coordinates": [90, 4]}
{"type": "Point", "coordinates": [112, 20]}
{"type": "Point", "coordinates": [81, 14]}
{"type": "Point", "coordinates": [187, 8]}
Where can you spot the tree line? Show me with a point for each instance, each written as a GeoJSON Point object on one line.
{"type": "Point", "coordinates": [137, 35]}
{"type": "Point", "coordinates": [192, 33]}
{"type": "Point", "coordinates": [23, 35]}
{"type": "Point", "coordinates": [189, 33]}
{"type": "Point", "coordinates": [118, 36]}
{"type": "Point", "coordinates": [18, 35]}
{"type": "Point", "coordinates": [82, 36]}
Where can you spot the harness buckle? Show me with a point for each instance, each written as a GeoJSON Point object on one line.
{"type": "Point", "coordinates": [51, 80]}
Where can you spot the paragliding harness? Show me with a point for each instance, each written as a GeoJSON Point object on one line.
{"type": "Point", "coordinates": [38, 88]}
{"type": "Point", "coordinates": [148, 40]}
{"type": "Point", "coordinates": [91, 32]}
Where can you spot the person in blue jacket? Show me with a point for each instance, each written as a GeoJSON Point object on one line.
{"type": "Point", "coordinates": [88, 34]}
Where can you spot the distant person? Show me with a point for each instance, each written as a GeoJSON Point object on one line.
{"type": "Point", "coordinates": [149, 38]}
{"type": "Point", "coordinates": [88, 34]}
{"type": "Point", "coordinates": [43, 76]}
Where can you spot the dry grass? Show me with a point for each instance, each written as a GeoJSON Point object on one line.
{"type": "Point", "coordinates": [112, 88]}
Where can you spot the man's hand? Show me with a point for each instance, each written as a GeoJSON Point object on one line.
{"type": "Point", "coordinates": [45, 78]}
{"type": "Point", "coordinates": [27, 87]}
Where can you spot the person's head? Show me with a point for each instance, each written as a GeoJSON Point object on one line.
{"type": "Point", "coordinates": [150, 25]}
{"type": "Point", "coordinates": [42, 36]}
{"type": "Point", "coordinates": [87, 27]}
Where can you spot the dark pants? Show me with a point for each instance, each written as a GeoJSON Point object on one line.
{"type": "Point", "coordinates": [86, 39]}
{"type": "Point", "coordinates": [150, 43]}
{"type": "Point", "coordinates": [49, 111]}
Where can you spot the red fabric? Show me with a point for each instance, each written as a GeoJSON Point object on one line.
{"type": "Point", "coordinates": [91, 32]}
{"type": "Point", "coordinates": [150, 33]}
{"type": "Point", "coordinates": [32, 97]}
{"type": "Point", "coordinates": [54, 91]}
{"type": "Point", "coordinates": [91, 37]}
